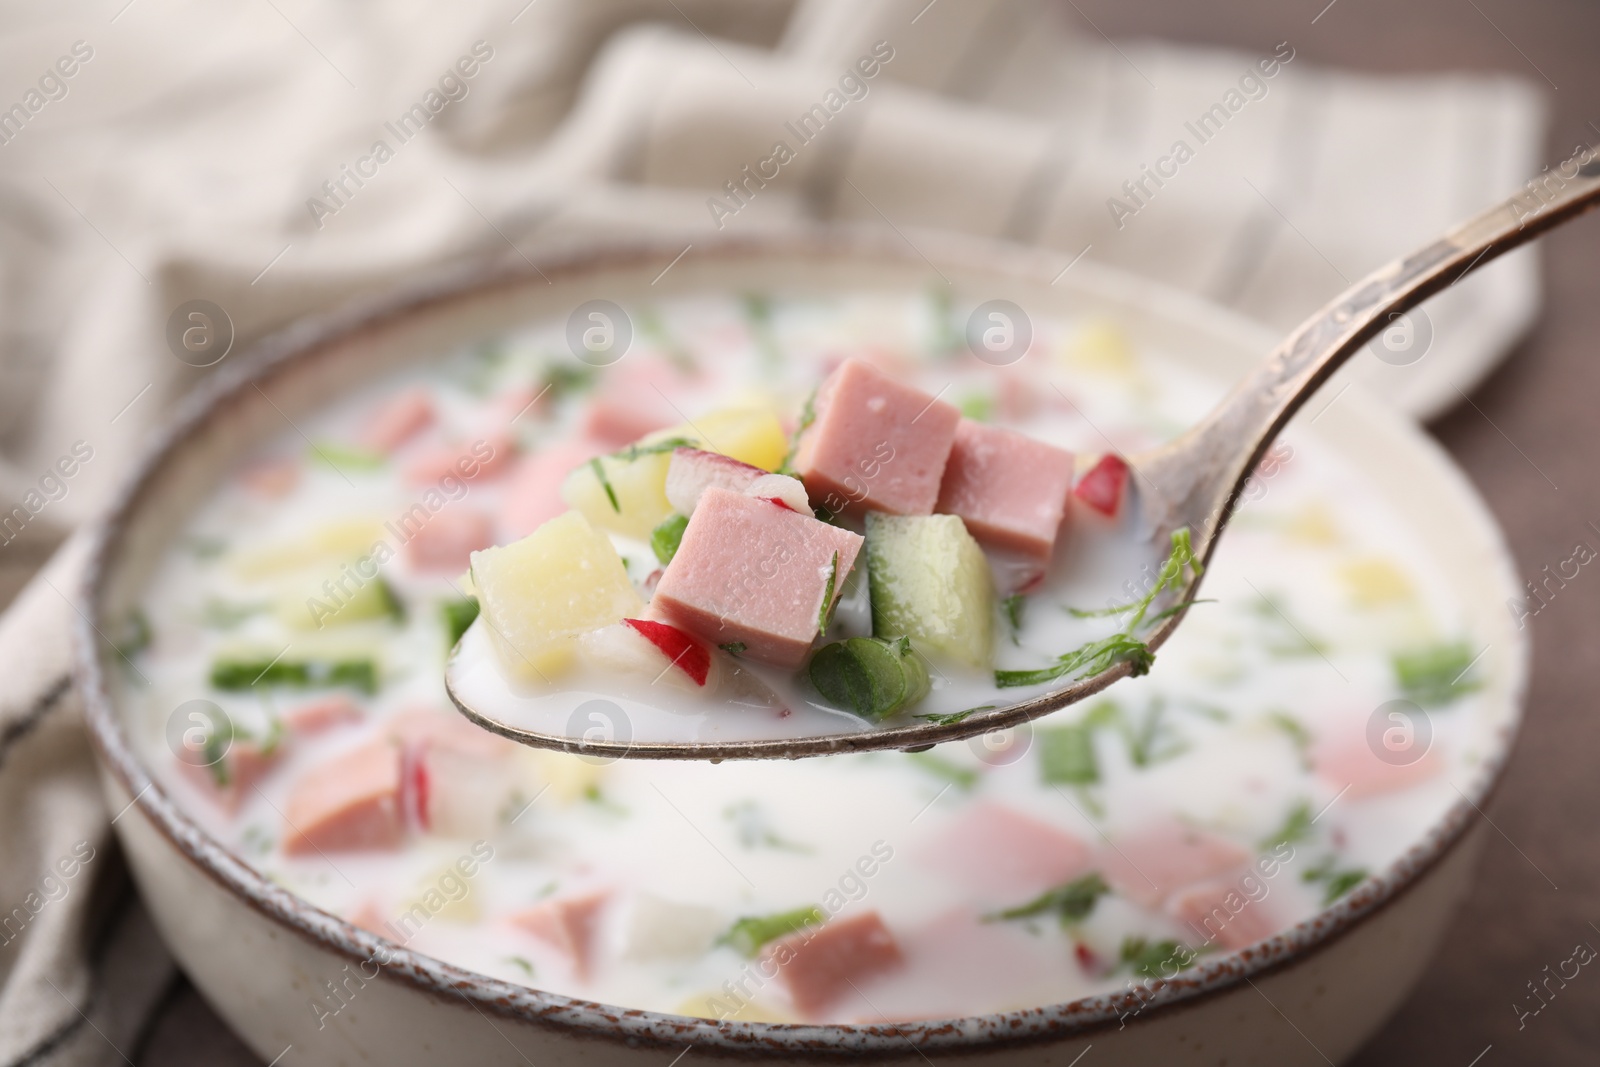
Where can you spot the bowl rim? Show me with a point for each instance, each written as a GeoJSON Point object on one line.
{"type": "Point", "coordinates": [283, 350]}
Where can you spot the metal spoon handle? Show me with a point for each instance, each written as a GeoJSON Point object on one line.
{"type": "Point", "coordinates": [1199, 476]}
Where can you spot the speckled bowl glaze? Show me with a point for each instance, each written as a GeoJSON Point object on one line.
{"type": "Point", "coordinates": [261, 956]}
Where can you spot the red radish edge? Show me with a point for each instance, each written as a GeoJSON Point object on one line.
{"type": "Point", "coordinates": [414, 759]}
{"type": "Point", "coordinates": [1102, 488]}
{"type": "Point", "coordinates": [687, 654]}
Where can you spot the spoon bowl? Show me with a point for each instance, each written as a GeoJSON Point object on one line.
{"type": "Point", "coordinates": [1185, 491]}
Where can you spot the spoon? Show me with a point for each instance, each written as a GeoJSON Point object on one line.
{"type": "Point", "coordinates": [1192, 482]}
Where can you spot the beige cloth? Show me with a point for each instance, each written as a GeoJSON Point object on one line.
{"type": "Point", "coordinates": [185, 155]}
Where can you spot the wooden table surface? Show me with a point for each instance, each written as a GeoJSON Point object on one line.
{"type": "Point", "coordinates": [1537, 411]}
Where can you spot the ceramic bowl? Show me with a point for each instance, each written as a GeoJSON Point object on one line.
{"type": "Point", "coordinates": [261, 956]}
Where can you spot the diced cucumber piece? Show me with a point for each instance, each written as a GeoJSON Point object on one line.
{"type": "Point", "coordinates": [930, 582]}
{"type": "Point", "coordinates": [869, 676]}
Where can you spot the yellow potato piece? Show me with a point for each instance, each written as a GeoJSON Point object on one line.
{"type": "Point", "coordinates": [720, 1006]}
{"type": "Point", "coordinates": [1313, 524]}
{"type": "Point", "coordinates": [1100, 346]}
{"type": "Point", "coordinates": [343, 539]}
{"type": "Point", "coordinates": [568, 778]}
{"type": "Point", "coordinates": [441, 895]}
{"type": "Point", "coordinates": [1374, 582]}
{"type": "Point", "coordinates": [538, 594]}
{"type": "Point", "coordinates": [749, 435]}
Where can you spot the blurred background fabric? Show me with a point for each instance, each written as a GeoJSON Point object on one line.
{"type": "Point", "coordinates": [206, 151]}
{"type": "Point", "coordinates": [182, 158]}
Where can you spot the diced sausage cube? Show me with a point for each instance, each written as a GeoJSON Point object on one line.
{"type": "Point", "coordinates": [875, 444]}
{"type": "Point", "coordinates": [1005, 855]}
{"type": "Point", "coordinates": [822, 966]}
{"type": "Point", "coordinates": [569, 925]}
{"type": "Point", "coordinates": [1009, 489]}
{"type": "Point", "coordinates": [1346, 763]}
{"type": "Point", "coordinates": [1151, 865]}
{"type": "Point", "coordinates": [353, 801]}
{"type": "Point", "coordinates": [480, 460]}
{"type": "Point", "coordinates": [1222, 912]}
{"type": "Point", "coordinates": [755, 572]}
{"type": "Point", "coordinates": [397, 420]}
{"type": "Point", "coordinates": [323, 713]}
{"type": "Point", "coordinates": [532, 495]}
{"type": "Point", "coordinates": [231, 779]}
{"type": "Point", "coordinates": [421, 726]}
{"type": "Point", "coordinates": [447, 539]}
{"type": "Point", "coordinates": [273, 477]}
{"type": "Point", "coordinates": [1104, 486]}
{"type": "Point", "coordinates": [632, 401]}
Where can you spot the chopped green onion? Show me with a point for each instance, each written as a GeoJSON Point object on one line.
{"type": "Point", "coordinates": [1437, 674]}
{"type": "Point", "coordinates": [605, 483]}
{"type": "Point", "coordinates": [750, 934]}
{"type": "Point", "coordinates": [1296, 828]}
{"type": "Point", "coordinates": [232, 674]}
{"type": "Point", "coordinates": [825, 613]}
{"type": "Point", "coordinates": [340, 457]}
{"type": "Point", "coordinates": [1067, 756]}
{"type": "Point", "coordinates": [1150, 958]}
{"type": "Point", "coordinates": [458, 615]}
{"type": "Point", "coordinates": [1071, 903]}
{"type": "Point", "coordinates": [665, 538]}
{"type": "Point", "coordinates": [870, 676]}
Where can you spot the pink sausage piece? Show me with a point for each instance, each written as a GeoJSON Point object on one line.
{"type": "Point", "coordinates": [230, 780]}
{"type": "Point", "coordinates": [423, 727]}
{"type": "Point", "coordinates": [1010, 490]}
{"type": "Point", "coordinates": [1349, 762]}
{"type": "Point", "coordinates": [444, 541]}
{"type": "Point", "coordinates": [1149, 866]}
{"type": "Point", "coordinates": [568, 925]}
{"type": "Point", "coordinates": [533, 490]}
{"type": "Point", "coordinates": [632, 401]}
{"type": "Point", "coordinates": [397, 420]}
{"type": "Point", "coordinates": [1222, 913]}
{"type": "Point", "coordinates": [1007, 856]}
{"type": "Point", "coordinates": [488, 457]}
{"type": "Point", "coordinates": [875, 444]}
{"type": "Point", "coordinates": [821, 966]}
{"type": "Point", "coordinates": [755, 572]}
{"type": "Point", "coordinates": [272, 477]}
{"type": "Point", "coordinates": [322, 714]}
{"type": "Point", "coordinates": [350, 802]}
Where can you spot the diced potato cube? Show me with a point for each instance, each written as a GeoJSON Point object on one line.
{"type": "Point", "coordinates": [625, 492]}
{"type": "Point", "coordinates": [749, 435]}
{"type": "Point", "coordinates": [538, 594]}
